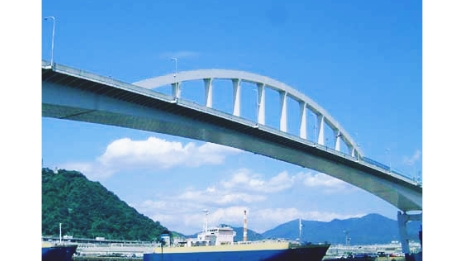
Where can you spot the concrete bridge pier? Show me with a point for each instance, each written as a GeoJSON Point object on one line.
{"type": "Point", "coordinates": [403, 219]}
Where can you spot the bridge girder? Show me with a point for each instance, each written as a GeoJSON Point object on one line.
{"type": "Point", "coordinates": [75, 95]}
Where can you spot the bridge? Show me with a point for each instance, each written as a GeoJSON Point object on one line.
{"type": "Point", "coordinates": [73, 94]}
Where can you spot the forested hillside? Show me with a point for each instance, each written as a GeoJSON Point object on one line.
{"type": "Point", "coordinates": [87, 209]}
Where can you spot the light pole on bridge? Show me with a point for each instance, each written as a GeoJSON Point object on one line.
{"type": "Point", "coordinates": [175, 60]}
{"type": "Point", "coordinates": [53, 36]}
{"type": "Point", "coordinates": [175, 77]}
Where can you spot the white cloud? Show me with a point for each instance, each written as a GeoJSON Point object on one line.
{"type": "Point", "coordinates": [227, 199]}
{"type": "Point", "coordinates": [188, 218]}
{"type": "Point", "coordinates": [91, 171]}
{"type": "Point", "coordinates": [413, 159]}
{"type": "Point", "coordinates": [155, 152]}
{"type": "Point", "coordinates": [245, 180]}
{"type": "Point", "coordinates": [230, 215]}
{"type": "Point", "coordinates": [243, 187]}
{"type": "Point", "coordinates": [152, 154]}
{"type": "Point", "coordinates": [218, 197]}
{"type": "Point", "coordinates": [324, 182]}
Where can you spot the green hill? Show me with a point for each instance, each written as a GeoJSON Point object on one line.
{"type": "Point", "coordinates": [86, 209]}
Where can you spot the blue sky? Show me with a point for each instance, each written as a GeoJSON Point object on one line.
{"type": "Point", "coordinates": [360, 60]}
{"type": "Point", "coordinates": [333, 51]}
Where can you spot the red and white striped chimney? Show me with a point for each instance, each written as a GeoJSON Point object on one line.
{"type": "Point", "coordinates": [245, 236]}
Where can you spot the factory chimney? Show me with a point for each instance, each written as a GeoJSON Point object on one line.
{"type": "Point", "coordinates": [245, 237]}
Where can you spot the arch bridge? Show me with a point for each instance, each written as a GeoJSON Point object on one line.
{"type": "Point", "coordinates": [73, 94]}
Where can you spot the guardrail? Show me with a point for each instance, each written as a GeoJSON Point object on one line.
{"type": "Point", "coordinates": [361, 160]}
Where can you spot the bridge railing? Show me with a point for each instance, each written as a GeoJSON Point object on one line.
{"type": "Point", "coordinates": [202, 108]}
{"type": "Point", "coordinates": [360, 160]}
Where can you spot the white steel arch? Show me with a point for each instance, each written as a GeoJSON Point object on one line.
{"type": "Point", "coordinates": [262, 82]}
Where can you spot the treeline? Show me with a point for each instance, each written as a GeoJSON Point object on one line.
{"type": "Point", "coordinates": [86, 209]}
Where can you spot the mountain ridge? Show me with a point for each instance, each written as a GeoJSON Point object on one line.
{"type": "Point", "coordinates": [370, 229]}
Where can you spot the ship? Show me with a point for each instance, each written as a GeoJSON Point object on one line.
{"type": "Point", "coordinates": [217, 243]}
{"type": "Point", "coordinates": [58, 251]}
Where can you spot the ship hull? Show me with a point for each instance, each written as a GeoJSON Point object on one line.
{"type": "Point", "coordinates": [313, 253]}
{"type": "Point", "coordinates": [58, 253]}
